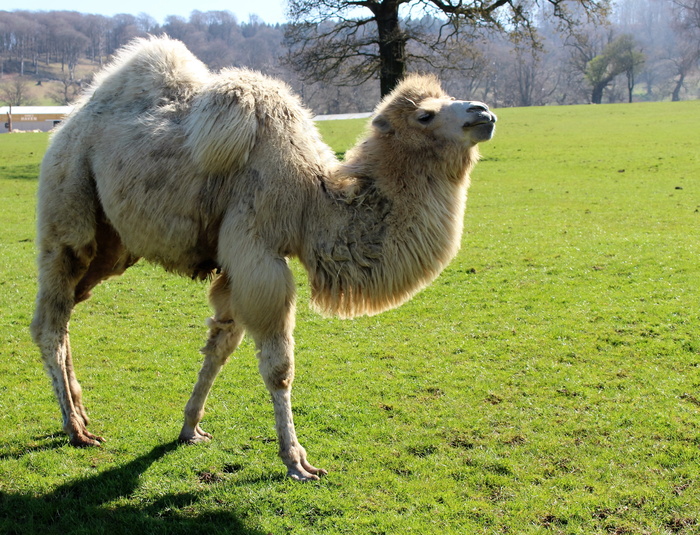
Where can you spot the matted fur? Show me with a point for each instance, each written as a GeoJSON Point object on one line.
{"type": "Point", "coordinates": [224, 175]}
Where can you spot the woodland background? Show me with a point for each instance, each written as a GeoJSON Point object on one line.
{"type": "Point", "coordinates": [47, 57]}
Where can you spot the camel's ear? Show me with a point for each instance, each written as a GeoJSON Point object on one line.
{"type": "Point", "coordinates": [382, 124]}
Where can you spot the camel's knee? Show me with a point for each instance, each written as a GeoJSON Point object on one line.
{"type": "Point", "coordinates": [224, 337]}
{"type": "Point", "coordinates": [279, 380]}
{"type": "Point", "coordinates": [52, 312]}
{"type": "Point", "coordinates": [60, 270]}
{"type": "Point", "coordinates": [37, 328]}
{"type": "Point", "coordinates": [276, 362]}
{"type": "Point", "coordinates": [50, 321]}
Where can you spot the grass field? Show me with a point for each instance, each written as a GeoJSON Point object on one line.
{"type": "Point", "coordinates": [548, 382]}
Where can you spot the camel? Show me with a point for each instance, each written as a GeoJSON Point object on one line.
{"type": "Point", "coordinates": [224, 176]}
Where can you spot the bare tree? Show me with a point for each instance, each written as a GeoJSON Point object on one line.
{"type": "Point", "coordinates": [71, 43]}
{"type": "Point", "coordinates": [686, 22]}
{"type": "Point", "coordinates": [24, 31]}
{"type": "Point", "coordinates": [16, 92]}
{"type": "Point", "coordinates": [649, 22]}
{"type": "Point", "coordinates": [95, 28]}
{"type": "Point", "coordinates": [17, 41]}
{"type": "Point", "coordinates": [124, 28]}
{"type": "Point", "coordinates": [529, 82]}
{"type": "Point", "coordinates": [350, 41]}
{"type": "Point", "coordinates": [67, 92]}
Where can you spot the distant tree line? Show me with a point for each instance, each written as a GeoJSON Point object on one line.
{"type": "Point", "coordinates": [30, 39]}
{"type": "Point", "coordinates": [647, 50]}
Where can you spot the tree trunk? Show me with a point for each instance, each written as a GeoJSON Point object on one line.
{"type": "Point", "coordinates": [630, 85]}
{"type": "Point", "coordinates": [676, 95]}
{"type": "Point", "coordinates": [392, 45]}
{"type": "Point", "coordinates": [597, 95]}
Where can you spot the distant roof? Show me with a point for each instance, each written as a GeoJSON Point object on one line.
{"type": "Point", "coordinates": [342, 116]}
{"type": "Point", "coordinates": [36, 110]}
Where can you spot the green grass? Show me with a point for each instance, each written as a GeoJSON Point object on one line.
{"type": "Point", "coordinates": [548, 382]}
{"type": "Point", "coordinates": [341, 135]}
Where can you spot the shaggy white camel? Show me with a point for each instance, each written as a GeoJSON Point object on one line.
{"type": "Point", "coordinates": [225, 176]}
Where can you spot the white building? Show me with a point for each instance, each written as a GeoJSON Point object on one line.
{"type": "Point", "coordinates": [28, 118]}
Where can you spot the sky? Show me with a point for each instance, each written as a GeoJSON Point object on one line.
{"type": "Point", "coordinates": [270, 11]}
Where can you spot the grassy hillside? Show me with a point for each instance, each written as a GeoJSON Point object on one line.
{"type": "Point", "coordinates": [44, 85]}
{"type": "Point", "coordinates": [548, 382]}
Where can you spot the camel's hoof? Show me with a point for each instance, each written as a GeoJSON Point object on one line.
{"type": "Point", "coordinates": [194, 436]}
{"type": "Point", "coordinates": [86, 439]}
{"type": "Point", "coordinates": [305, 473]}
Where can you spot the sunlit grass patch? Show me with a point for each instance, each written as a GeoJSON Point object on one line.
{"type": "Point", "coordinates": [547, 382]}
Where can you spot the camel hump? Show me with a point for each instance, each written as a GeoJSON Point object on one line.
{"type": "Point", "coordinates": [149, 72]}
{"type": "Point", "coordinates": [231, 112]}
{"type": "Point", "coordinates": [222, 125]}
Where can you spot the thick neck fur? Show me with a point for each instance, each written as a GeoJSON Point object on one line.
{"type": "Point", "coordinates": [393, 224]}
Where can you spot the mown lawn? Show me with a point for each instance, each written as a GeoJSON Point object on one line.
{"type": "Point", "coordinates": [548, 382]}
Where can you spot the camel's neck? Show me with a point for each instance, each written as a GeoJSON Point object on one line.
{"type": "Point", "coordinates": [373, 242]}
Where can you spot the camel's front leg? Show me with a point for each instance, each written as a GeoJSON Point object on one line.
{"type": "Point", "coordinates": [276, 355]}
{"type": "Point", "coordinates": [262, 297]}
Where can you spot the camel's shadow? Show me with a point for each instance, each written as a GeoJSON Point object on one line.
{"type": "Point", "coordinates": [81, 507]}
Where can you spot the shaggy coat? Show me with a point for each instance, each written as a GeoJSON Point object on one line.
{"type": "Point", "coordinates": [224, 176]}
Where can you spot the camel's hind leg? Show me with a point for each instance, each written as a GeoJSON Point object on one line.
{"type": "Point", "coordinates": [67, 273]}
{"type": "Point", "coordinates": [60, 269]}
{"type": "Point", "coordinates": [224, 337]}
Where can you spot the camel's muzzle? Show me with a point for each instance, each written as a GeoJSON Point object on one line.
{"type": "Point", "coordinates": [480, 115]}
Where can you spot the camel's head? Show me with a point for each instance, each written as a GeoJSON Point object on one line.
{"type": "Point", "coordinates": [418, 111]}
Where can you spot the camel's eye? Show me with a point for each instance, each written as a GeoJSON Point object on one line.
{"type": "Point", "coordinates": [425, 117]}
